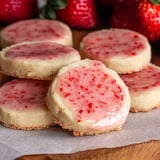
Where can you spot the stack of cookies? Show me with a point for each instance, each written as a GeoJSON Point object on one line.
{"type": "Point", "coordinates": [33, 52]}
{"type": "Point", "coordinates": [53, 85]}
{"type": "Point", "coordinates": [129, 54]}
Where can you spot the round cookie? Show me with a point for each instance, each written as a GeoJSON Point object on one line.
{"type": "Point", "coordinates": [88, 98]}
{"type": "Point", "coordinates": [122, 50]}
{"type": "Point", "coordinates": [36, 30]}
{"type": "Point", "coordinates": [37, 60]}
{"type": "Point", "coordinates": [22, 104]}
{"type": "Point", "coordinates": [144, 88]}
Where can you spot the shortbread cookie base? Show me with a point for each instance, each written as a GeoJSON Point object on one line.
{"type": "Point", "coordinates": [123, 66]}
{"type": "Point", "coordinates": [25, 120]}
{"type": "Point", "coordinates": [46, 30]}
{"type": "Point", "coordinates": [144, 88]}
{"type": "Point", "coordinates": [122, 62]}
{"type": "Point", "coordinates": [22, 104]}
{"type": "Point", "coordinates": [35, 68]}
{"type": "Point", "coordinates": [134, 110]}
{"type": "Point", "coordinates": [89, 132]}
{"type": "Point", "coordinates": [59, 107]}
{"type": "Point", "coordinates": [145, 101]}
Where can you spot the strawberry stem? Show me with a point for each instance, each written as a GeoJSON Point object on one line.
{"type": "Point", "coordinates": [48, 11]}
{"type": "Point", "coordinates": [156, 2]}
{"type": "Point", "coordinates": [57, 4]}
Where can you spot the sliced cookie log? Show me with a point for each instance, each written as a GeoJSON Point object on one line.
{"type": "Point", "coordinates": [122, 50]}
{"type": "Point", "coordinates": [36, 30]}
{"type": "Point", "coordinates": [23, 105]}
{"type": "Point", "coordinates": [144, 88]}
{"type": "Point", "coordinates": [36, 60]}
{"type": "Point", "coordinates": [88, 98]}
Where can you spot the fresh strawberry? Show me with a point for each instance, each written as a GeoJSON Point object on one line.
{"type": "Point", "coordinates": [14, 10]}
{"type": "Point", "coordinates": [76, 13]}
{"type": "Point", "coordinates": [142, 16]}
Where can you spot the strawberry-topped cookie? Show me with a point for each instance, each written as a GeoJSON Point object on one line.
{"type": "Point", "coordinates": [88, 98]}
{"type": "Point", "coordinates": [36, 60]}
{"type": "Point", "coordinates": [36, 30]}
{"type": "Point", "coordinates": [22, 104]}
{"type": "Point", "coordinates": [144, 88]}
{"type": "Point", "coordinates": [124, 51]}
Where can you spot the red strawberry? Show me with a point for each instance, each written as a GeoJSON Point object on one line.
{"type": "Point", "coordinates": [14, 10]}
{"type": "Point", "coordinates": [140, 15]}
{"type": "Point", "coordinates": [76, 13]}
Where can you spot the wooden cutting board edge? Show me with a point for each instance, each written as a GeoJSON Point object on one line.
{"type": "Point", "coordinates": [149, 150]}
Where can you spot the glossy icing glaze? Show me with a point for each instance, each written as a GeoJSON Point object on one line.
{"type": "Point", "coordinates": [145, 79]}
{"type": "Point", "coordinates": [24, 95]}
{"type": "Point", "coordinates": [114, 42]}
{"type": "Point", "coordinates": [95, 97]}
{"type": "Point", "coordinates": [35, 30]}
{"type": "Point", "coordinates": [41, 50]}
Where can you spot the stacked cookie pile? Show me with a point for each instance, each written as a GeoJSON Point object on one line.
{"type": "Point", "coordinates": [129, 54]}
{"type": "Point", "coordinates": [33, 52]}
{"type": "Point", "coordinates": [54, 85]}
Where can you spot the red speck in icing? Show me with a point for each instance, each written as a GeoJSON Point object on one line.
{"type": "Point", "coordinates": [23, 91]}
{"type": "Point", "coordinates": [113, 42]}
{"type": "Point", "coordinates": [90, 105]}
{"type": "Point", "coordinates": [24, 94]}
{"type": "Point", "coordinates": [135, 36]}
{"type": "Point", "coordinates": [98, 38]}
{"type": "Point", "coordinates": [25, 106]}
{"type": "Point", "coordinates": [110, 38]}
{"type": "Point", "coordinates": [133, 53]}
{"type": "Point", "coordinates": [99, 85]}
{"type": "Point", "coordinates": [93, 96]}
{"type": "Point", "coordinates": [88, 111]}
{"type": "Point", "coordinates": [145, 79]}
{"type": "Point", "coordinates": [81, 111]}
{"type": "Point", "coordinates": [41, 50]}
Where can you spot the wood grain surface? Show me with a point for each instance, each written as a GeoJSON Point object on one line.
{"type": "Point", "coordinates": [142, 151]}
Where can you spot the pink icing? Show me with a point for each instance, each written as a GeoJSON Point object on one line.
{"type": "Point", "coordinates": [24, 95]}
{"type": "Point", "coordinates": [35, 30]}
{"type": "Point", "coordinates": [94, 95]}
{"type": "Point", "coordinates": [113, 42]}
{"type": "Point", "coordinates": [142, 80]}
{"type": "Point", "coordinates": [42, 50]}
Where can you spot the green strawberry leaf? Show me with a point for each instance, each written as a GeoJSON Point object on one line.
{"type": "Point", "coordinates": [48, 12]}
{"type": "Point", "coordinates": [156, 2]}
{"type": "Point", "coordinates": [57, 4]}
{"type": "Point", "coordinates": [43, 11]}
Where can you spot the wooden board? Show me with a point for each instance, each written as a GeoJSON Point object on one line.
{"type": "Point", "coordinates": [143, 151]}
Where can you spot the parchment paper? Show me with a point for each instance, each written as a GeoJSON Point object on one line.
{"type": "Point", "coordinates": [139, 127]}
